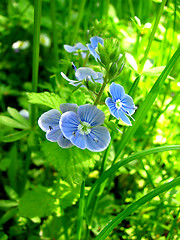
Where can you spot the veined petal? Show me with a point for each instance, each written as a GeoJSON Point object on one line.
{"type": "Point", "coordinates": [98, 139]}
{"type": "Point", "coordinates": [123, 117]}
{"type": "Point", "coordinates": [95, 40]}
{"type": "Point", "coordinates": [53, 134]}
{"type": "Point", "coordinates": [65, 107]}
{"type": "Point", "coordinates": [93, 52]}
{"type": "Point", "coordinates": [64, 142]}
{"type": "Point", "coordinates": [69, 124]}
{"type": "Point", "coordinates": [117, 91]}
{"type": "Point", "coordinates": [91, 114]}
{"type": "Point", "coordinates": [78, 140]}
{"type": "Point", "coordinates": [83, 72]}
{"type": "Point", "coordinates": [128, 104]}
{"type": "Point", "coordinates": [49, 119]}
{"type": "Point", "coordinates": [117, 113]}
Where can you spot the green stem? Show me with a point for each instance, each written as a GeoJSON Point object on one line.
{"type": "Point", "coordinates": [35, 62]}
{"type": "Point", "coordinates": [54, 32]}
{"type": "Point", "coordinates": [98, 98]}
{"type": "Point", "coordinates": [152, 35]}
{"type": "Point", "coordinates": [78, 21]}
{"type": "Point", "coordinates": [80, 211]}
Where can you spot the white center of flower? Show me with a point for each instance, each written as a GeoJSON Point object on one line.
{"type": "Point", "coordinates": [84, 128]}
{"type": "Point", "coordinates": [118, 104]}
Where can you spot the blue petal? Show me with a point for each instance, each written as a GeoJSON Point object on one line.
{"type": "Point", "coordinates": [119, 114]}
{"type": "Point", "coordinates": [128, 104]}
{"type": "Point", "coordinates": [117, 91]}
{"type": "Point", "coordinates": [79, 140]}
{"type": "Point", "coordinates": [64, 142]}
{"type": "Point", "coordinates": [93, 52]}
{"type": "Point", "coordinates": [49, 119]}
{"type": "Point", "coordinates": [100, 78]}
{"type": "Point", "coordinates": [98, 139]}
{"type": "Point", "coordinates": [65, 107]}
{"type": "Point", "coordinates": [70, 49]}
{"type": "Point", "coordinates": [91, 114]}
{"type": "Point", "coordinates": [72, 82]}
{"type": "Point", "coordinates": [69, 124]}
{"type": "Point", "coordinates": [84, 72]}
{"type": "Point", "coordinates": [81, 47]}
{"type": "Point", "coordinates": [123, 117]}
{"type": "Point", "coordinates": [53, 134]}
{"type": "Point", "coordinates": [95, 40]}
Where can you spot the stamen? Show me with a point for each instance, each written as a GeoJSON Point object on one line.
{"type": "Point", "coordinates": [50, 128]}
{"type": "Point", "coordinates": [74, 133]}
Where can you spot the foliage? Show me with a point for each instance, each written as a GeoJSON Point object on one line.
{"type": "Point", "coordinates": [131, 189]}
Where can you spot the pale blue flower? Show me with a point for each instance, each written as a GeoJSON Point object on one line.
{"type": "Point", "coordinates": [84, 128]}
{"type": "Point", "coordinates": [93, 46]}
{"type": "Point", "coordinates": [77, 47]}
{"type": "Point", "coordinates": [49, 123]}
{"type": "Point", "coordinates": [84, 73]}
{"type": "Point", "coordinates": [120, 104]}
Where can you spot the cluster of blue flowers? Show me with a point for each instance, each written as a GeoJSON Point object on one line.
{"type": "Point", "coordinates": [81, 126]}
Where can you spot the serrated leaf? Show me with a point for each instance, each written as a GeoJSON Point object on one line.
{"type": "Point", "coordinates": [73, 163]}
{"type": "Point", "coordinates": [12, 137]}
{"type": "Point", "coordinates": [12, 123]}
{"type": "Point", "coordinates": [51, 100]}
{"type": "Point", "coordinates": [36, 203]}
{"type": "Point", "coordinates": [68, 194]}
{"type": "Point", "coordinates": [17, 116]}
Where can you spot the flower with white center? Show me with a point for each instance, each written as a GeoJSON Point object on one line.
{"type": "Point", "coordinates": [93, 46]}
{"type": "Point", "coordinates": [84, 128]}
{"type": "Point", "coordinates": [84, 73]}
{"type": "Point", "coordinates": [120, 104]}
{"type": "Point", "coordinates": [49, 123]}
{"type": "Point", "coordinates": [20, 45]}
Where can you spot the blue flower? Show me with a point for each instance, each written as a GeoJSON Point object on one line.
{"type": "Point", "coordinates": [84, 73]}
{"type": "Point", "coordinates": [77, 47]}
{"type": "Point", "coordinates": [94, 44]}
{"type": "Point", "coordinates": [49, 123]}
{"type": "Point", "coordinates": [83, 128]}
{"type": "Point", "coordinates": [120, 104]}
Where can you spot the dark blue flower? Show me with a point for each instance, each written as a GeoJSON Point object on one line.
{"type": "Point", "coordinates": [93, 46]}
{"type": "Point", "coordinates": [84, 128]}
{"type": "Point", "coordinates": [49, 123]}
{"type": "Point", "coordinates": [84, 73]}
{"type": "Point", "coordinates": [77, 47]}
{"type": "Point", "coordinates": [120, 104]}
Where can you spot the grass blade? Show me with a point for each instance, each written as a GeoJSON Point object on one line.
{"type": "Point", "coordinates": [115, 167]}
{"type": "Point", "coordinates": [144, 108]}
{"type": "Point", "coordinates": [133, 207]}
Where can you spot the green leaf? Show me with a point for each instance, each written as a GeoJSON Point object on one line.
{"type": "Point", "coordinates": [36, 203]}
{"type": "Point", "coordinates": [17, 116]}
{"type": "Point", "coordinates": [147, 103]}
{"type": "Point", "coordinates": [48, 99]}
{"type": "Point", "coordinates": [68, 194]}
{"type": "Point", "coordinates": [133, 207]}
{"type": "Point", "coordinates": [73, 163]}
{"type": "Point", "coordinates": [12, 137]}
{"type": "Point", "coordinates": [132, 62]}
{"type": "Point", "coordinates": [153, 71]}
{"type": "Point", "coordinates": [4, 204]}
{"type": "Point", "coordinates": [12, 123]}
